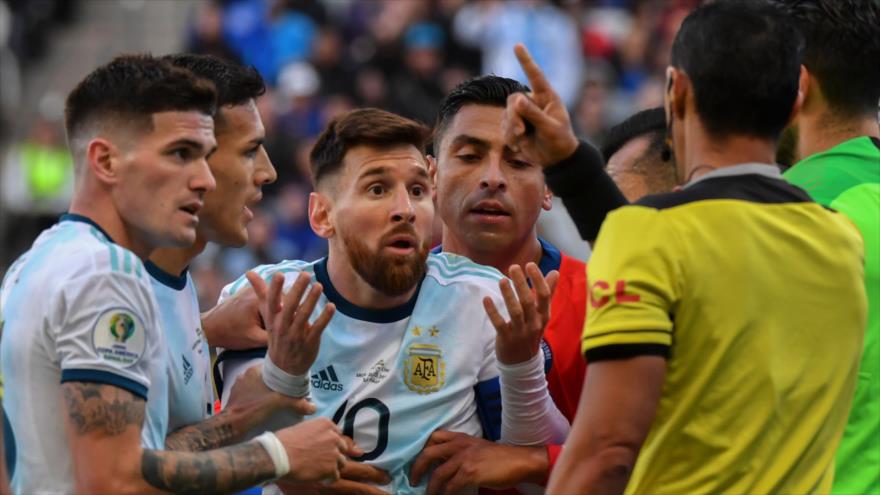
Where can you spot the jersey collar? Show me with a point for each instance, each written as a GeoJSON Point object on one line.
{"type": "Point", "coordinates": [348, 308]}
{"type": "Point", "coordinates": [551, 258]}
{"type": "Point", "coordinates": [73, 217]}
{"type": "Point", "coordinates": [771, 171]}
{"type": "Point", "coordinates": [165, 278]}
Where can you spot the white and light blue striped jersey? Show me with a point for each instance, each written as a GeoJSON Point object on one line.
{"type": "Point", "coordinates": [391, 377]}
{"type": "Point", "coordinates": [76, 308]}
{"type": "Point", "coordinates": [190, 393]}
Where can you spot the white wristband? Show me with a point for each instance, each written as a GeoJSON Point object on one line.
{"type": "Point", "coordinates": [283, 382]}
{"type": "Point", "coordinates": [276, 452]}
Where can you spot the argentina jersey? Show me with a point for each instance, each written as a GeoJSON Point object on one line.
{"type": "Point", "coordinates": [190, 395]}
{"type": "Point", "coordinates": [76, 308]}
{"type": "Point", "coordinates": [390, 377]}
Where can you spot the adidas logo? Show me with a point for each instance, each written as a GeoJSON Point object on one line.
{"type": "Point", "coordinates": [326, 379]}
{"type": "Point", "coordinates": [187, 370]}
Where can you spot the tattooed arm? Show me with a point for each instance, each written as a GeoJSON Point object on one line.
{"type": "Point", "coordinates": [250, 404]}
{"type": "Point", "coordinates": [104, 423]}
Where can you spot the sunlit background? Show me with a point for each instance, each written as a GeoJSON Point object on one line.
{"type": "Point", "coordinates": [320, 58]}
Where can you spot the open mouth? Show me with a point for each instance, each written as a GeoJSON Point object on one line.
{"type": "Point", "coordinates": [490, 212]}
{"type": "Point", "coordinates": [191, 209]}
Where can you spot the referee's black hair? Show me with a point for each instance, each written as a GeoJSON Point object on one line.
{"type": "Point", "coordinates": [488, 90]}
{"type": "Point", "coordinates": [743, 59]}
{"type": "Point", "coordinates": [236, 84]}
{"type": "Point", "coordinates": [650, 122]}
{"type": "Point", "coordinates": [842, 51]}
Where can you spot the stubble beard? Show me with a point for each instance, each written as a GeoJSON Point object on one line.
{"type": "Point", "coordinates": [392, 275]}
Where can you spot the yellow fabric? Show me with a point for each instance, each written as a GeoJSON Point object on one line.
{"type": "Point", "coordinates": [763, 308]}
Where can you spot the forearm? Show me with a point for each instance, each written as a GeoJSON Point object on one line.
{"type": "Point", "coordinates": [604, 472]}
{"type": "Point", "coordinates": [223, 470]}
{"type": "Point", "coordinates": [225, 428]}
{"type": "Point", "coordinates": [586, 190]}
{"type": "Point", "coordinates": [529, 416]}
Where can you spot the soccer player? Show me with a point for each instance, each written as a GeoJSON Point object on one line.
{"type": "Point", "coordinates": [475, 166]}
{"type": "Point", "coordinates": [634, 155]}
{"type": "Point", "coordinates": [839, 146]}
{"type": "Point", "coordinates": [410, 339]}
{"type": "Point", "coordinates": [240, 167]}
{"type": "Point", "coordinates": [711, 360]}
{"type": "Point", "coordinates": [82, 344]}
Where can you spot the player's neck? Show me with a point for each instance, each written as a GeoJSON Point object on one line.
{"type": "Point", "coordinates": [175, 260]}
{"type": "Point", "coordinates": [355, 289]}
{"type": "Point", "coordinates": [818, 132]}
{"type": "Point", "coordinates": [707, 153]}
{"type": "Point", "coordinates": [520, 254]}
{"type": "Point", "coordinates": [103, 213]}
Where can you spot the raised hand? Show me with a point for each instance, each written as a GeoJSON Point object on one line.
{"type": "Point", "coordinates": [316, 450]}
{"type": "Point", "coordinates": [519, 339]}
{"type": "Point", "coordinates": [235, 323]}
{"type": "Point", "coordinates": [293, 341]}
{"type": "Point", "coordinates": [553, 138]}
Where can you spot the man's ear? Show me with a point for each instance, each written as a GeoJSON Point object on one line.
{"type": "Point", "coordinates": [432, 175]}
{"type": "Point", "coordinates": [547, 202]}
{"type": "Point", "coordinates": [679, 87]}
{"type": "Point", "coordinates": [803, 91]}
{"type": "Point", "coordinates": [320, 206]}
{"type": "Point", "coordinates": [102, 158]}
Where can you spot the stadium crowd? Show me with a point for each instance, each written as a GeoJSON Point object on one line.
{"type": "Point", "coordinates": [399, 322]}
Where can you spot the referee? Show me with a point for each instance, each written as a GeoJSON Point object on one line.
{"type": "Point", "coordinates": [725, 320]}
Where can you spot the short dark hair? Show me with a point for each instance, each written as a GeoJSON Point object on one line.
{"type": "Point", "coordinates": [650, 123]}
{"type": "Point", "coordinates": [368, 127]}
{"type": "Point", "coordinates": [743, 58]}
{"type": "Point", "coordinates": [236, 83]}
{"type": "Point", "coordinates": [842, 37]}
{"type": "Point", "coordinates": [488, 90]}
{"type": "Point", "coordinates": [659, 174]}
{"type": "Point", "coordinates": [130, 88]}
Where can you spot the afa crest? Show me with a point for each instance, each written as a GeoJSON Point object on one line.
{"type": "Point", "coordinates": [424, 370]}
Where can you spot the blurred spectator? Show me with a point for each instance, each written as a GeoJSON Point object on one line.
{"type": "Point", "coordinates": [417, 90]}
{"type": "Point", "coordinates": [549, 33]}
{"type": "Point", "coordinates": [206, 35]}
{"type": "Point", "coordinates": [37, 183]}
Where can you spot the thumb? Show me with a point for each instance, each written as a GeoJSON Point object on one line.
{"type": "Point", "coordinates": [301, 405]}
{"type": "Point", "coordinates": [552, 278]}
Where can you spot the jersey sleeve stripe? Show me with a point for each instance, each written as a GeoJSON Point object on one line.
{"type": "Point", "coordinates": [624, 351]}
{"type": "Point", "coordinates": [126, 260]}
{"type": "Point", "coordinates": [106, 378]}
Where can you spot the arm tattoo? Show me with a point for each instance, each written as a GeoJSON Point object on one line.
{"type": "Point", "coordinates": [223, 470]}
{"type": "Point", "coordinates": [103, 408]}
{"type": "Point", "coordinates": [216, 431]}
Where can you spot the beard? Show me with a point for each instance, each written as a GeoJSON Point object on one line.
{"type": "Point", "coordinates": [392, 275]}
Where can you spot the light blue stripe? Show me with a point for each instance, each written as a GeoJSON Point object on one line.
{"type": "Point", "coordinates": [126, 265]}
{"type": "Point", "coordinates": [464, 264]}
{"type": "Point", "coordinates": [138, 269]}
{"type": "Point", "coordinates": [460, 272]}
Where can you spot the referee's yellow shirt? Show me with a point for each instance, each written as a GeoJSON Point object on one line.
{"type": "Point", "coordinates": [755, 295]}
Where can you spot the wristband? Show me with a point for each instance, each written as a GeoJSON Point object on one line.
{"type": "Point", "coordinates": [276, 452]}
{"type": "Point", "coordinates": [283, 382]}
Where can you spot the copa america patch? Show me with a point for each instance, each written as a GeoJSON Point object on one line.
{"type": "Point", "coordinates": [118, 337]}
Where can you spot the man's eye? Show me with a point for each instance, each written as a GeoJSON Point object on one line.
{"type": "Point", "coordinates": [417, 191]}
{"type": "Point", "coordinates": [468, 158]}
{"type": "Point", "coordinates": [376, 190]}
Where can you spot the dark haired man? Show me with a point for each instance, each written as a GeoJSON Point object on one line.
{"type": "Point", "coordinates": [140, 131]}
{"type": "Point", "coordinates": [633, 153]}
{"type": "Point", "coordinates": [838, 143]}
{"type": "Point", "coordinates": [474, 161]}
{"type": "Point", "coordinates": [240, 167]}
{"type": "Point", "coordinates": [761, 378]}
{"type": "Point", "coordinates": [410, 340]}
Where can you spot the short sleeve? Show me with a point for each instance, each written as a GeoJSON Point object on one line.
{"type": "Point", "coordinates": [105, 331]}
{"type": "Point", "coordinates": [632, 286]}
